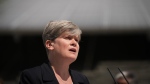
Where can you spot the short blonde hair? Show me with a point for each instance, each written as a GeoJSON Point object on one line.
{"type": "Point", "coordinates": [55, 28]}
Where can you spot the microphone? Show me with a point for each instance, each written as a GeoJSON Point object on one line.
{"type": "Point", "coordinates": [124, 76]}
{"type": "Point", "coordinates": [114, 78]}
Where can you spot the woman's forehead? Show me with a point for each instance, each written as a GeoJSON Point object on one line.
{"type": "Point", "coordinates": [69, 34]}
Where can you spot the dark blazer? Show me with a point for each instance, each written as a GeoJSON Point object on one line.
{"type": "Point", "coordinates": [44, 75]}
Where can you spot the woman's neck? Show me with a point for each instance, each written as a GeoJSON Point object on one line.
{"type": "Point", "coordinates": [61, 70]}
{"type": "Point", "coordinates": [59, 67]}
{"type": "Point", "coordinates": [62, 74]}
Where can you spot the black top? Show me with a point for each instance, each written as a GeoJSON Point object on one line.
{"type": "Point", "coordinates": [44, 74]}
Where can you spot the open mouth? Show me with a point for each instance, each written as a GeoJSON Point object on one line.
{"type": "Point", "coordinates": [72, 50]}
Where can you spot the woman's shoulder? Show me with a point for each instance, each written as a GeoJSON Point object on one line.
{"type": "Point", "coordinates": [31, 76]}
{"type": "Point", "coordinates": [32, 72]}
{"type": "Point", "coordinates": [32, 69]}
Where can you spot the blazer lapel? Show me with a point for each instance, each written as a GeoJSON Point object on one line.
{"type": "Point", "coordinates": [48, 76]}
{"type": "Point", "coordinates": [75, 78]}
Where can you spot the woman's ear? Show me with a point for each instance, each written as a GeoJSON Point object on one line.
{"type": "Point", "coordinates": [49, 44]}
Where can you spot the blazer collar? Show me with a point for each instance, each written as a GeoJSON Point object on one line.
{"type": "Point", "coordinates": [49, 76]}
{"type": "Point", "coordinates": [75, 78]}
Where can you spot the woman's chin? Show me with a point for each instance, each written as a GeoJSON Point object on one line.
{"type": "Point", "coordinates": [72, 59]}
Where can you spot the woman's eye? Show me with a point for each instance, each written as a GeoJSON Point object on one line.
{"type": "Point", "coordinates": [68, 38]}
{"type": "Point", "coordinates": [76, 40]}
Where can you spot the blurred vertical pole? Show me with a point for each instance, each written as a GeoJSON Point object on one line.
{"type": "Point", "coordinates": [148, 35]}
{"type": "Point", "coordinates": [17, 53]}
{"type": "Point", "coordinates": [90, 53]}
{"type": "Point", "coordinates": [14, 67]}
{"type": "Point", "coordinates": [12, 55]}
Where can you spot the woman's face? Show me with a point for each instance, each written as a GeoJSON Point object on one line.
{"type": "Point", "coordinates": [66, 46]}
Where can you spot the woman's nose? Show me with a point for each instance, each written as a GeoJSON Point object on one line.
{"type": "Point", "coordinates": [73, 42]}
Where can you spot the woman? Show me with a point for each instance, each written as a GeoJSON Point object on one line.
{"type": "Point", "coordinates": [61, 40]}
